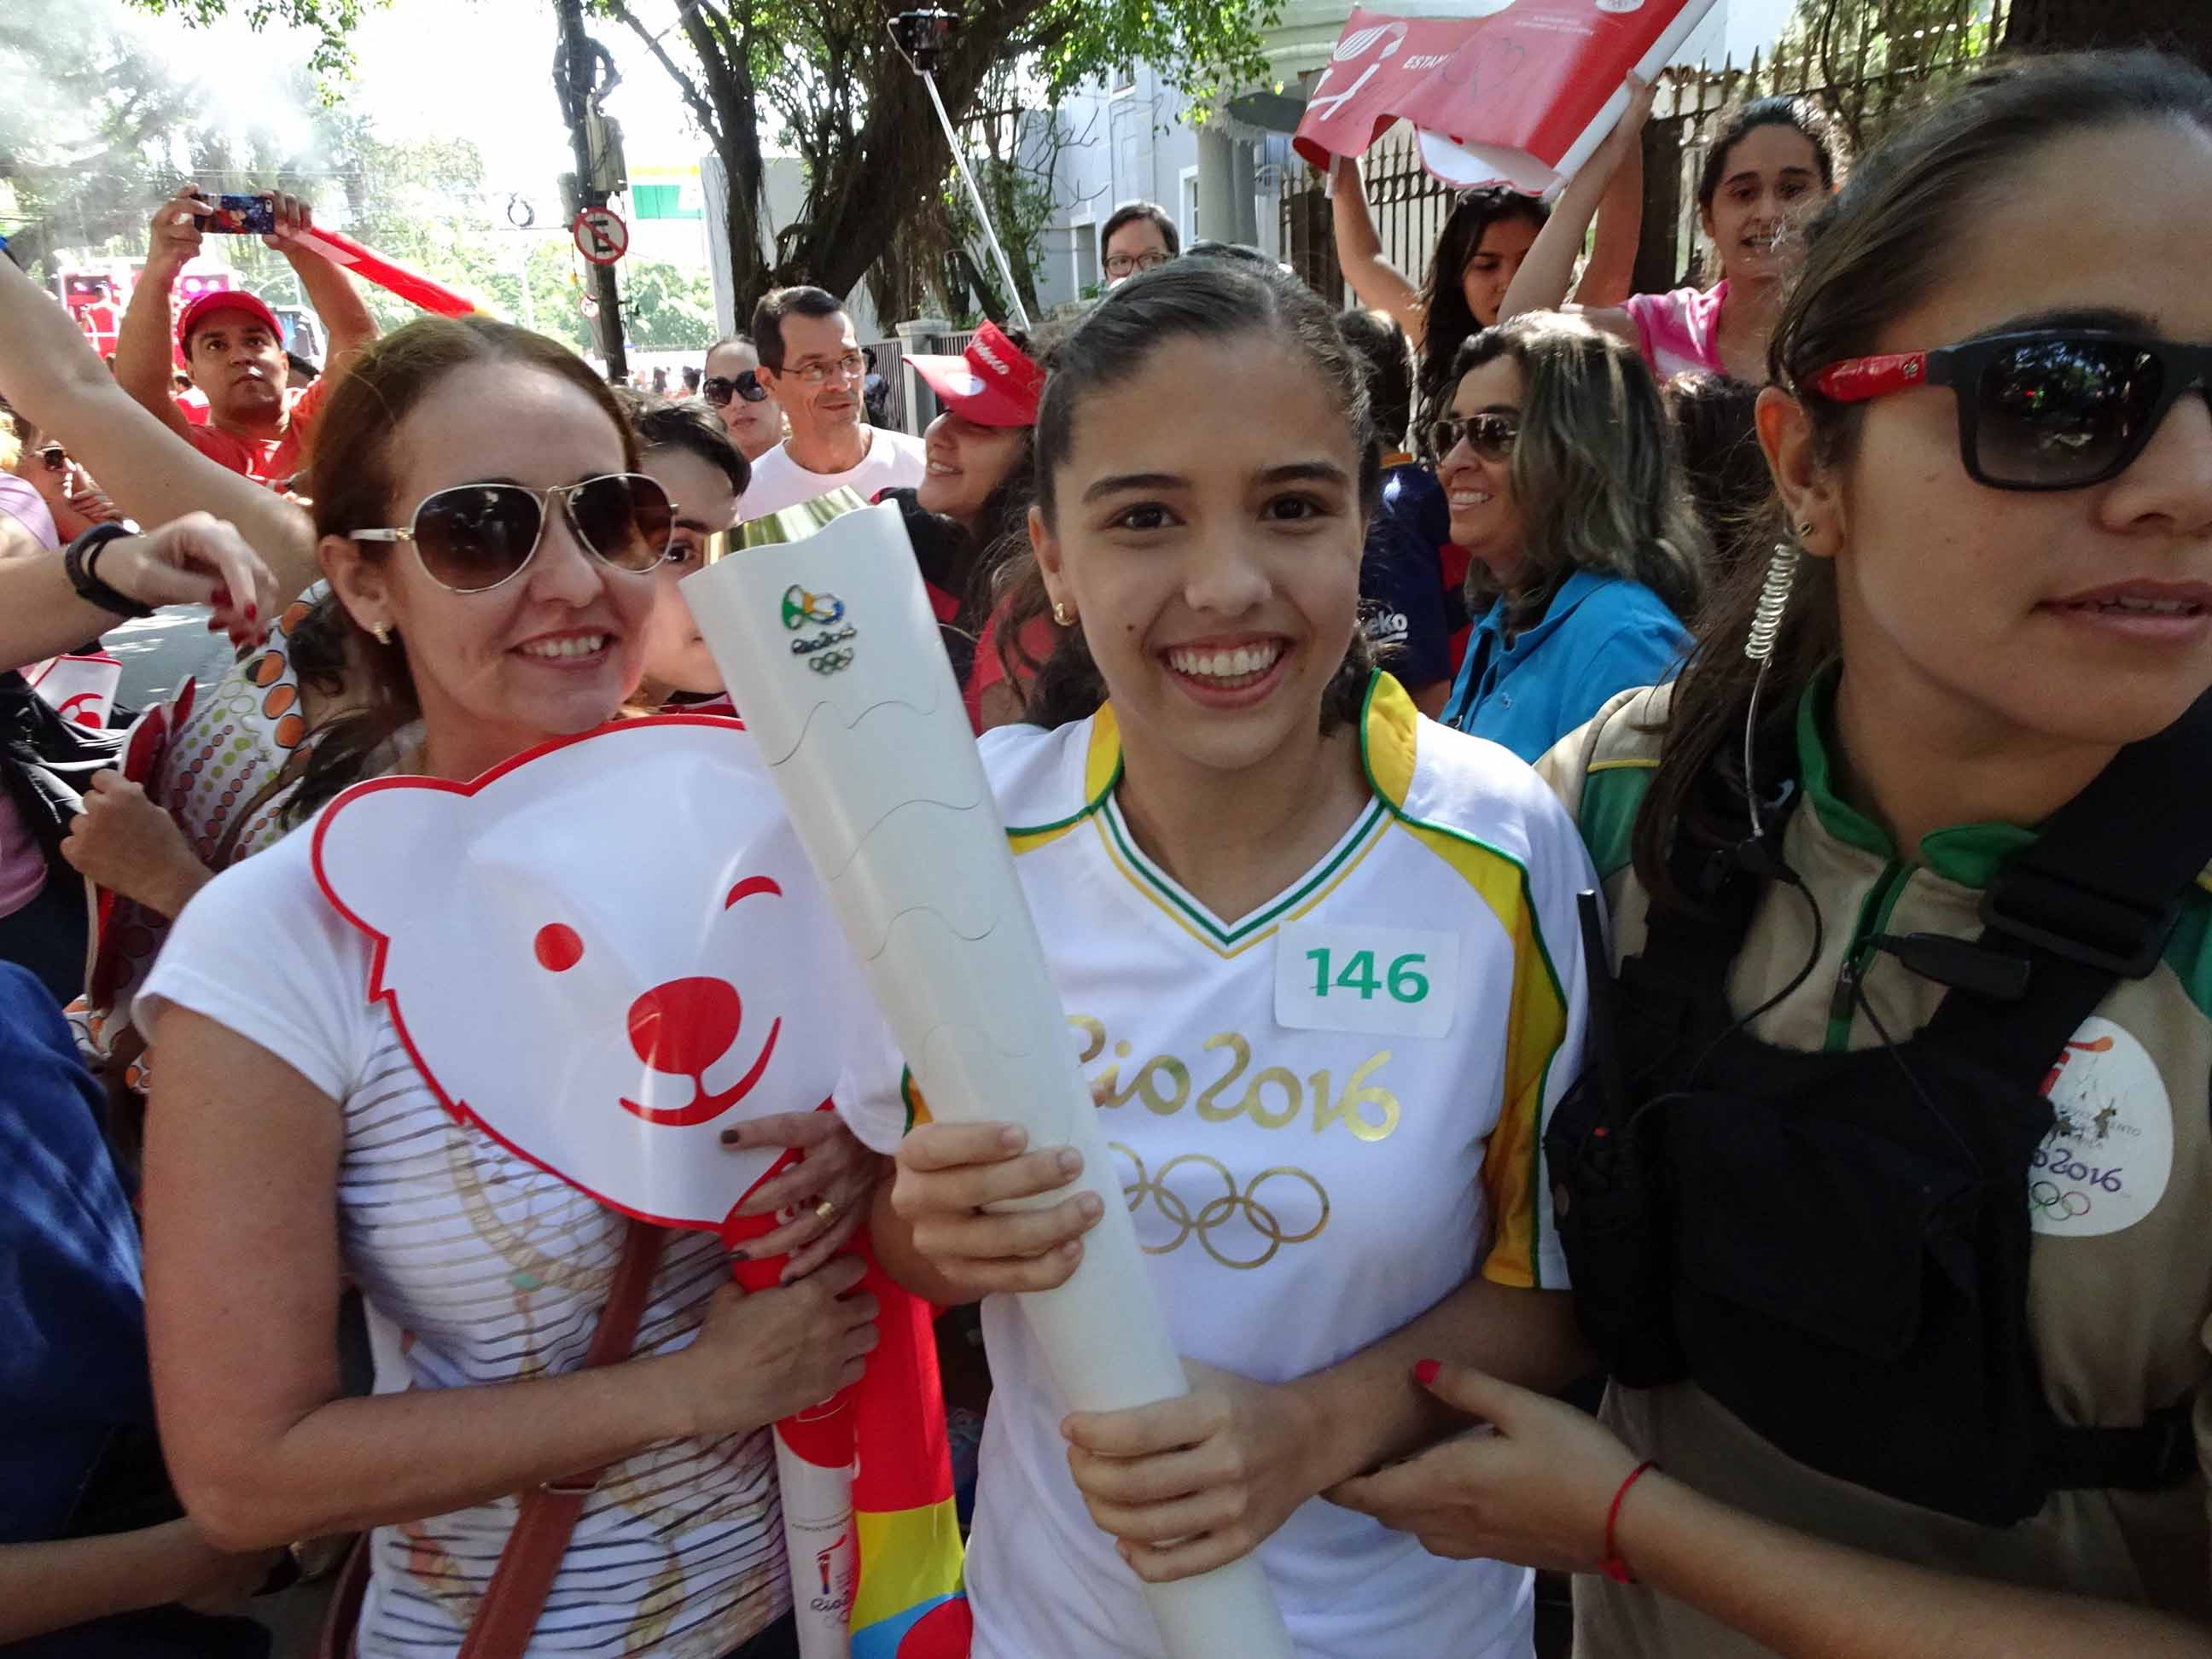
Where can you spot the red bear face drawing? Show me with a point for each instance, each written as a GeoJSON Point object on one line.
{"type": "Point", "coordinates": [602, 954]}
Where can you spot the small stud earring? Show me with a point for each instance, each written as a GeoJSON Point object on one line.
{"type": "Point", "coordinates": [1063, 613]}
{"type": "Point", "coordinates": [383, 633]}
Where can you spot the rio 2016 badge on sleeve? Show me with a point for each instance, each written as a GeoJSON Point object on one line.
{"type": "Point", "coordinates": [1394, 981]}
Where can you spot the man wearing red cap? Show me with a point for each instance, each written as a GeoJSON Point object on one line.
{"type": "Point", "coordinates": [233, 346]}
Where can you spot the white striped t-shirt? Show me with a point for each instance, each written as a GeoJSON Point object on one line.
{"type": "Point", "coordinates": [488, 1270]}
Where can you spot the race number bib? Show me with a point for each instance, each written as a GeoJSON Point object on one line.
{"type": "Point", "coordinates": [1392, 981]}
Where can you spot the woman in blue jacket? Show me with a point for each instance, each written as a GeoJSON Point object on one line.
{"type": "Point", "coordinates": [1585, 559]}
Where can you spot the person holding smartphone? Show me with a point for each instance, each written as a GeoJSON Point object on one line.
{"type": "Point", "coordinates": [230, 341]}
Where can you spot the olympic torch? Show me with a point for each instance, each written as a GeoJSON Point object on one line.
{"type": "Point", "coordinates": [830, 647]}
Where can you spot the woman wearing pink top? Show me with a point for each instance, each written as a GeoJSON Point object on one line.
{"type": "Point", "coordinates": [1772, 162]}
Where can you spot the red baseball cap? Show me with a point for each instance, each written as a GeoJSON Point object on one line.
{"type": "Point", "coordinates": [993, 383]}
{"type": "Point", "coordinates": [225, 298]}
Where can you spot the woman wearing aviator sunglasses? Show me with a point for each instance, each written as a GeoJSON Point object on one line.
{"type": "Point", "coordinates": [1929, 1245]}
{"type": "Point", "coordinates": [499, 572]}
{"type": "Point", "coordinates": [1558, 471]}
{"type": "Point", "coordinates": [732, 390]}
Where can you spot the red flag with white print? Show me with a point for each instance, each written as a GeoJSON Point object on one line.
{"type": "Point", "coordinates": [1512, 92]}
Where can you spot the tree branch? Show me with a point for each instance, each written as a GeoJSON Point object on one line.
{"type": "Point", "coordinates": [621, 14]}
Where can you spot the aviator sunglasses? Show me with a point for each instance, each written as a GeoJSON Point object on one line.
{"type": "Point", "coordinates": [1491, 436]}
{"type": "Point", "coordinates": [2050, 409]}
{"type": "Point", "coordinates": [473, 537]}
{"type": "Point", "coordinates": [717, 389]}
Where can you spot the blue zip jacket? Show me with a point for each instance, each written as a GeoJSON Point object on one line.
{"type": "Point", "coordinates": [1600, 636]}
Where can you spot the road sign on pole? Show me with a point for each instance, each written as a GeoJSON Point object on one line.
{"type": "Point", "coordinates": [600, 235]}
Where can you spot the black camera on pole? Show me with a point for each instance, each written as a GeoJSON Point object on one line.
{"type": "Point", "coordinates": [921, 38]}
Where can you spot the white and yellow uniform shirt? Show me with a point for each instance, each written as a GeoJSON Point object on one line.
{"type": "Point", "coordinates": [1325, 1114]}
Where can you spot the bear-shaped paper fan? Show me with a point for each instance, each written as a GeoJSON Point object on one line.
{"type": "Point", "coordinates": [603, 953]}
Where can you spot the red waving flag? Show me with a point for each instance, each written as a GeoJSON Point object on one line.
{"type": "Point", "coordinates": [412, 286]}
{"type": "Point", "coordinates": [1520, 95]}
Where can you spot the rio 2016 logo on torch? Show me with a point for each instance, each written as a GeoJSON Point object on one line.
{"type": "Point", "coordinates": [824, 652]}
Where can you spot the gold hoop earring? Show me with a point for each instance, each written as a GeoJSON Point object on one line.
{"type": "Point", "coordinates": [1063, 613]}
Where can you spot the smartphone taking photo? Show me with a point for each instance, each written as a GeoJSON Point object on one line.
{"type": "Point", "coordinates": [242, 216]}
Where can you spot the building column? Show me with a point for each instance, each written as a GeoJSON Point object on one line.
{"type": "Point", "coordinates": [1245, 183]}
{"type": "Point", "coordinates": [1217, 186]}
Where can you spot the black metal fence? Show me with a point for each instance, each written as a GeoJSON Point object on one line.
{"type": "Point", "coordinates": [1864, 76]}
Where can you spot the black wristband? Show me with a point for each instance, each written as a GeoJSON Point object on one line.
{"type": "Point", "coordinates": [77, 565]}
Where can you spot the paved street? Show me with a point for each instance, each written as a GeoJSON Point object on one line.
{"type": "Point", "coordinates": [159, 653]}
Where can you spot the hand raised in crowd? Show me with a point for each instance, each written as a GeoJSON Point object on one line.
{"type": "Point", "coordinates": [294, 216]}
{"type": "Point", "coordinates": [94, 506]}
{"type": "Point", "coordinates": [1186, 1485]}
{"type": "Point", "coordinates": [123, 841]}
{"type": "Point", "coordinates": [948, 1172]}
{"type": "Point", "coordinates": [834, 1168]}
{"type": "Point", "coordinates": [763, 1357]}
{"type": "Point", "coordinates": [75, 502]}
{"type": "Point", "coordinates": [1533, 1484]}
{"type": "Point", "coordinates": [179, 227]}
{"type": "Point", "coordinates": [198, 559]}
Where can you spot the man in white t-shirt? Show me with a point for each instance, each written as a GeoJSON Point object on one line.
{"type": "Point", "coordinates": [812, 367]}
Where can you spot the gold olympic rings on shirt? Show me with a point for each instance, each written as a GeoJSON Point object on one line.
{"type": "Point", "coordinates": [1267, 1233]}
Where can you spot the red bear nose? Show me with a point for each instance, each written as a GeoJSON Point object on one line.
{"type": "Point", "coordinates": [685, 1026]}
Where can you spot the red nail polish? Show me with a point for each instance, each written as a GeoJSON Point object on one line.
{"type": "Point", "coordinates": [1425, 1372]}
{"type": "Point", "coordinates": [251, 613]}
{"type": "Point", "coordinates": [220, 598]}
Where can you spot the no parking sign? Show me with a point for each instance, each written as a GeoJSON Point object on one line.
{"type": "Point", "coordinates": [600, 235]}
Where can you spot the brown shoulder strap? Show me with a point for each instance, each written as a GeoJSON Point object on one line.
{"type": "Point", "coordinates": [506, 1617]}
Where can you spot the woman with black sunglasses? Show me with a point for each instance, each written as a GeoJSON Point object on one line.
{"type": "Point", "coordinates": [1888, 1209]}
{"type": "Point", "coordinates": [497, 577]}
{"type": "Point", "coordinates": [1584, 559]}
{"type": "Point", "coordinates": [733, 391]}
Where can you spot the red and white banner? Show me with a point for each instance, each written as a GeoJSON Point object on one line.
{"type": "Point", "coordinates": [1518, 92]}
{"type": "Point", "coordinates": [412, 286]}
{"type": "Point", "coordinates": [80, 688]}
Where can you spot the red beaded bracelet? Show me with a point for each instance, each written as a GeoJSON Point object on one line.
{"type": "Point", "coordinates": [1613, 1566]}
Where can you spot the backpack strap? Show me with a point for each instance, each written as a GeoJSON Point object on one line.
{"type": "Point", "coordinates": [2092, 900]}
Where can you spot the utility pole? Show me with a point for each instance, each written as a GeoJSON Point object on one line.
{"type": "Point", "coordinates": [575, 81]}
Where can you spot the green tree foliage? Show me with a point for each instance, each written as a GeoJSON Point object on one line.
{"type": "Point", "coordinates": [106, 127]}
{"type": "Point", "coordinates": [823, 76]}
{"type": "Point", "coordinates": [941, 265]}
{"type": "Point", "coordinates": [828, 75]}
{"type": "Point", "coordinates": [93, 128]}
{"type": "Point", "coordinates": [1880, 58]}
{"type": "Point", "coordinates": [332, 20]}
{"type": "Point", "coordinates": [664, 310]}
{"type": "Point", "coordinates": [2182, 26]}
